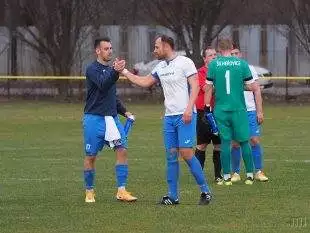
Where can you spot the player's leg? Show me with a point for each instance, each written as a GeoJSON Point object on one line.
{"type": "Point", "coordinates": [121, 167]}
{"type": "Point", "coordinates": [242, 135]}
{"type": "Point", "coordinates": [186, 141]}
{"type": "Point", "coordinates": [223, 120]}
{"type": "Point", "coordinates": [235, 161]}
{"type": "Point", "coordinates": [256, 147]}
{"type": "Point", "coordinates": [93, 126]}
{"type": "Point", "coordinates": [203, 139]}
{"type": "Point", "coordinates": [172, 170]}
{"type": "Point", "coordinates": [216, 141]}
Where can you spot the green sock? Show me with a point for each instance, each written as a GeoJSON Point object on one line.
{"type": "Point", "coordinates": [225, 156]}
{"type": "Point", "coordinates": [247, 156]}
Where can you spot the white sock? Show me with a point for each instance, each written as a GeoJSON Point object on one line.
{"type": "Point", "coordinates": [121, 188]}
{"type": "Point", "coordinates": [226, 176]}
{"type": "Point", "coordinates": [249, 175]}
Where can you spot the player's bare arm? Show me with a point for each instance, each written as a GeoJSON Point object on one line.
{"type": "Point", "coordinates": [142, 81]}
{"type": "Point", "coordinates": [255, 88]}
{"type": "Point", "coordinates": [208, 93]}
{"type": "Point", "coordinates": [193, 82]}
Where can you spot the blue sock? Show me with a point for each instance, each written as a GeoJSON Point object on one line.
{"type": "Point", "coordinates": [257, 156]}
{"type": "Point", "coordinates": [197, 172]}
{"type": "Point", "coordinates": [235, 159]}
{"type": "Point", "coordinates": [89, 176]}
{"type": "Point", "coordinates": [121, 171]}
{"type": "Point", "coordinates": [172, 174]}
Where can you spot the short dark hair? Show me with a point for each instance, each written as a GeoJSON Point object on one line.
{"type": "Point", "coordinates": [236, 46]}
{"type": "Point", "coordinates": [99, 40]}
{"type": "Point", "coordinates": [167, 39]}
{"type": "Point", "coordinates": [204, 50]}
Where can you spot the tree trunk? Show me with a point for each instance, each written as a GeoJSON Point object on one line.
{"type": "Point", "coordinates": [196, 54]}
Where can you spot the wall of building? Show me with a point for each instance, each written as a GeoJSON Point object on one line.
{"type": "Point", "coordinates": [262, 45]}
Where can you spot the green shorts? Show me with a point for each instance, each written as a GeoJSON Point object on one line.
{"type": "Point", "coordinates": [233, 125]}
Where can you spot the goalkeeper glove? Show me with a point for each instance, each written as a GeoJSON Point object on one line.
{"type": "Point", "coordinates": [210, 119]}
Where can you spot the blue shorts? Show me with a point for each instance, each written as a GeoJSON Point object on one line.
{"type": "Point", "coordinates": [253, 124]}
{"type": "Point", "coordinates": [177, 134]}
{"type": "Point", "coordinates": [94, 132]}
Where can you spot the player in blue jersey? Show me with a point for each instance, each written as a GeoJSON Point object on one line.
{"type": "Point", "coordinates": [178, 78]}
{"type": "Point", "coordinates": [101, 124]}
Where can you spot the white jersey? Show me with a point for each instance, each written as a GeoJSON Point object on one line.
{"type": "Point", "coordinates": [248, 95]}
{"type": "Point", "coordinates": [173, 78]}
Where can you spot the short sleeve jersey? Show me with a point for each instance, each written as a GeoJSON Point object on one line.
{"type": "Point", "coordinates": [173, 76]}
{"type": "Point", "coordinates": [228, 75]}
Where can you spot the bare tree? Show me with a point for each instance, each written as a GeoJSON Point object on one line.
{"type": "Point", "coordinates": [61, 27]}
{"type": "Point", "coordinates": [296, 15]}
{"type": "Point", "coordinates": [300, 23]}
{"type": "Point", "coordinates": [193, 21]}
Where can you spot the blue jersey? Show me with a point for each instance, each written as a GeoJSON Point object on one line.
{"type": "Point", "coordinates": [101, 90]}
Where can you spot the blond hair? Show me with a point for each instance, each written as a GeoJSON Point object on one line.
{"type": "Point", "coordinates": [225, 44]}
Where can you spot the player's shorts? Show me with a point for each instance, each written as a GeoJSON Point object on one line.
{"type": "Point", "coordinates": [94, 132]}
{"type": "Point", "coordinates": [204, 134]}
{"type": "Point", "coordinates": [253, 124]}
{"type": "Point", "coordinates": [177, 134]}
{"type": "Point", "coordinates": [232, 125]}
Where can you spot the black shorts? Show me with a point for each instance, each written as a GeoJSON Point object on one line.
{"type": "Point", "coordinates": [204, 134]}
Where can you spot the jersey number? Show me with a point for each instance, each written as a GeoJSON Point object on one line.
{"type": "Point", "coordinates": [227, 78]}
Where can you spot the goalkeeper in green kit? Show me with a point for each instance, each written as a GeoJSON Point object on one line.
{"type": "Point", "coordinates": [229, 76]}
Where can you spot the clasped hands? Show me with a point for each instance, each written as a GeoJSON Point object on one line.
{"type": "Point", "coordinates": [119, 65]}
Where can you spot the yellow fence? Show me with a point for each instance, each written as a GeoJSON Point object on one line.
{"type": "Point", "coordinates": [122, 78]}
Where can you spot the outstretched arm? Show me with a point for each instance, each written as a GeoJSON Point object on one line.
{"type": "Point", "coordinates": [142, 81]}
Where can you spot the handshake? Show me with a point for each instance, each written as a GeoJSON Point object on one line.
{"type": "Point", "coordinates": [119, 65]}
{"type": "Point", "coordinates": [210, 119]}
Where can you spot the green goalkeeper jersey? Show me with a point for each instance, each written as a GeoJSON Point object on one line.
{"type": "Point", "coordinates": [228, 75]}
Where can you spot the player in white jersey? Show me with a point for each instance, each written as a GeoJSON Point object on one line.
{"type": "Point", "coordinates": [255, 132]}
{"type": "Point", "coordinates": [178, 78]}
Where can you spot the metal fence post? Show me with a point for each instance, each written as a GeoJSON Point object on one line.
{"type": "Point", "coordinates": [286, 80]}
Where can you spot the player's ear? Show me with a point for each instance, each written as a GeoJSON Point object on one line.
{"type": "Point", "coordinates": [97, 50]}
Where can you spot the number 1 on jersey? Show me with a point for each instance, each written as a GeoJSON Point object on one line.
{"type": "Point", "coordinates": [227, 78]}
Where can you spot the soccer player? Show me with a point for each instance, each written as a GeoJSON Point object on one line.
{"type": "Point", "coordinates": [254, 125]}
{"type": "Point", "coordinates": [178, 78]}
{"type": "Point", "coordinates": [100, 122]}
{"type": "Point", "coordinates": [204, 134]}
{"type": "Point", "coordinates": [228, 75]}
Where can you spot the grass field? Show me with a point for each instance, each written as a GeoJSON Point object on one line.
{"type": "Point", "coordinates": [41, 185]}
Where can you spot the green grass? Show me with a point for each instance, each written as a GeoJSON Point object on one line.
{"type": "Point", "coordinates": [41, 185]}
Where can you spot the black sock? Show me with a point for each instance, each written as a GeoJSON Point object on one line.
{"type": "Point", "coordinates": [217, 163]}
{"type": "Point", "coordinates": [201, 156]}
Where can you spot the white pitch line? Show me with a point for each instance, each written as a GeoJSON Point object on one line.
{"type": "Point", "coordinates": [288, 160]}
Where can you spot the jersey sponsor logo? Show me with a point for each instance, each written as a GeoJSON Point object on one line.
{"type": "Point", "coordinates": [228, 63]}
{"type": "Point", "coordinates": [167, 74]}
{"type": "Point", "coordinates": [187, 141]}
